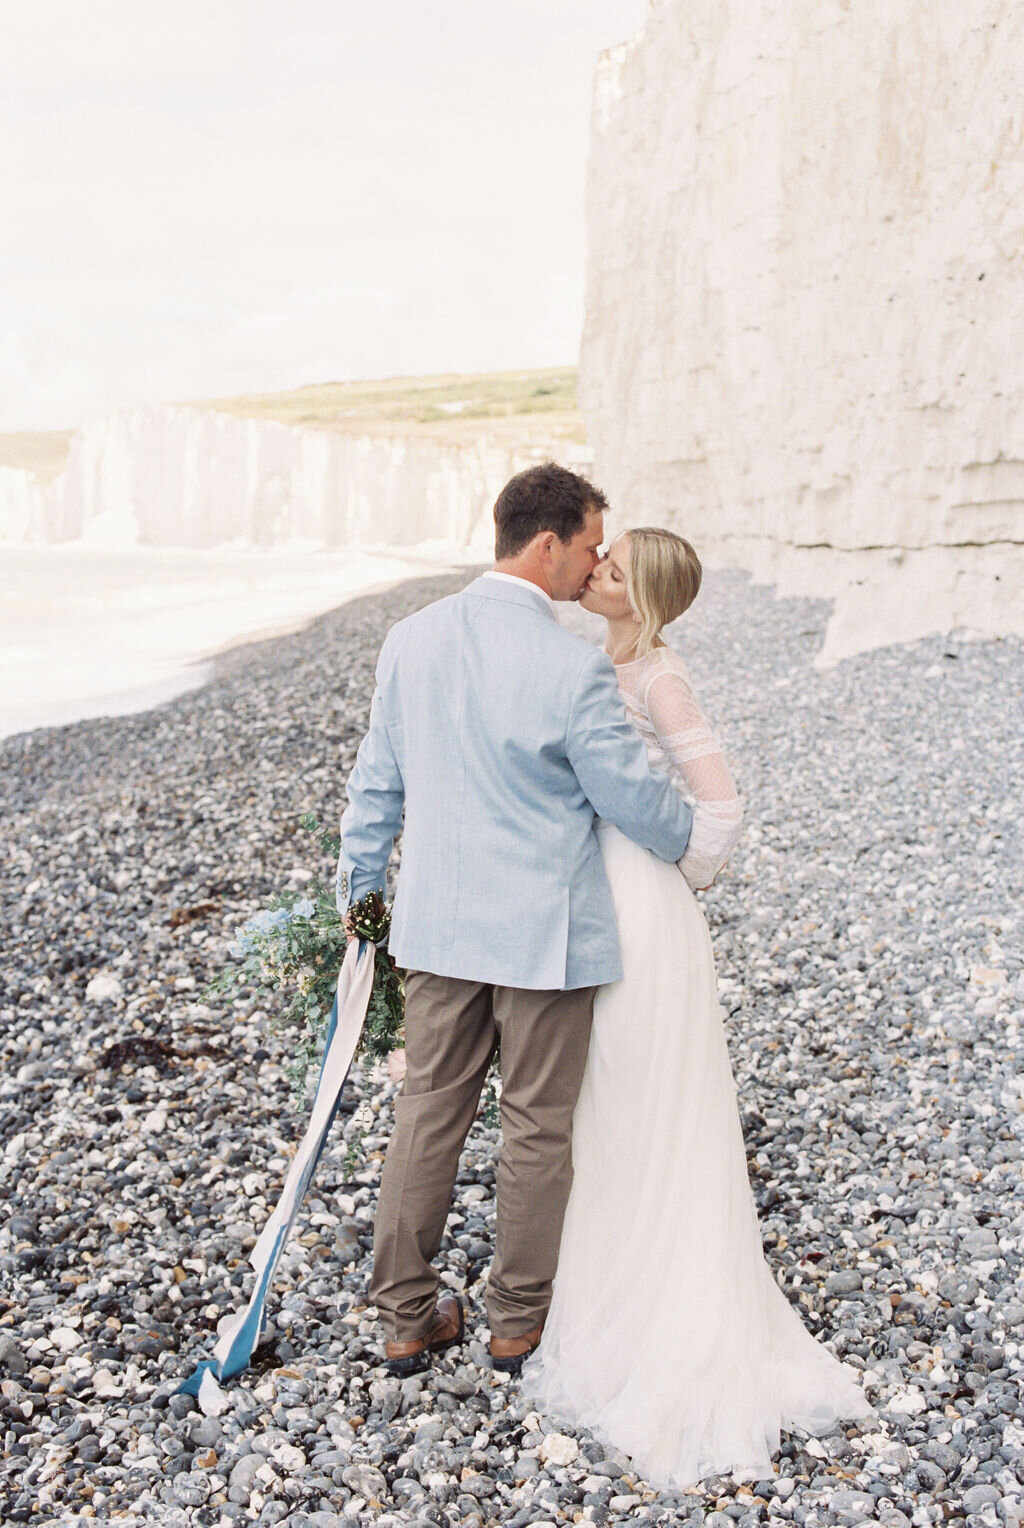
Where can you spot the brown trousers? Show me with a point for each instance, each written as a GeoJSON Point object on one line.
{"type": "Point", "coordinates": [451, 1030]}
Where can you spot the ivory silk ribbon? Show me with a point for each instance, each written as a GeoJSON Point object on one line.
{"type": "Point", "coordinates": [236, 1343]}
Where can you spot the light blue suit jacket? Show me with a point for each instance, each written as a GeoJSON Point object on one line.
{"type": "Point", "coordinates": [501, 736]}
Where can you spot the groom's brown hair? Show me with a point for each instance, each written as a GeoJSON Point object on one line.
{"type": "Point", "coordinates": [544, 498]}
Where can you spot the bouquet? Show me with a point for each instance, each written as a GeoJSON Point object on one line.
{"type": "Point", "coordinates": [296, 946]}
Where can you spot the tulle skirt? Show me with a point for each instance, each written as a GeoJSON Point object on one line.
{"type": "Point", "coordinates": [668, 1336]}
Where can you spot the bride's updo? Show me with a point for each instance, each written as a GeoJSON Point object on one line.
{"type": "Point", "coordinates": [663, 580]}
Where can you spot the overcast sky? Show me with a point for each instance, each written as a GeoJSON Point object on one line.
{"type": "Point", "coordinates": [220, 196]}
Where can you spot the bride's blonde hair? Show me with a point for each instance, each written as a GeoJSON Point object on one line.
{"type": "Point", "coordinates": [663, 580]}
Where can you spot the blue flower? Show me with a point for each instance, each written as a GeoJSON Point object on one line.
{"type": "Point", "coordinates": [263, 923]}
{"type": "Point", "coordinates": [269, 919]}
{"type": "Point", "coordinates": [304, 908]}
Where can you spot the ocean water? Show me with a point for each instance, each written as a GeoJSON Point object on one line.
{"type": "Point", "coordinates": [88, 630]}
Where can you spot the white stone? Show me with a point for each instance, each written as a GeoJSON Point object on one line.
{"type": "Point", "coordinates": [102, 987]}
{"type": "Point", "coordinates": [1012, 1095]}
{"type": "Point", "coordinates": [66, 1339]}
{"type": "Point", "coordinates": [558, 1449]}
{"type": "Point", "coordinates": [879, 1444]}
{"type": "Point", "coordinates": [289, 1458]}
{"type": "Point", "coordinates": [804, 338]}
{"type": "Point", "coordinates": [155, 1121]}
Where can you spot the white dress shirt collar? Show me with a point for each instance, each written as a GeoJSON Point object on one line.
{"type": "Point", "coordinates": [523, 583]}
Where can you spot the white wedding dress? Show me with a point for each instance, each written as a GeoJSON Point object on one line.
{"type": "Point", "coordinates": [668, 1336]}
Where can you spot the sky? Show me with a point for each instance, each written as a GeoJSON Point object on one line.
{"type": "Point", "coordinates": [225, 196]}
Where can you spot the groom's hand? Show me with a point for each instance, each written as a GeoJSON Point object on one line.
{"type": "Point", "coordinates": [346, 923]}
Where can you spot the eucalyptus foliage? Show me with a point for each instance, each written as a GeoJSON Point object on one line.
{"type": "Point", "coordinates": [292, 952]}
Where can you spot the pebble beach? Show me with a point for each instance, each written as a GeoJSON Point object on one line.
{"type": "Point", "coordinates": [869, 933]}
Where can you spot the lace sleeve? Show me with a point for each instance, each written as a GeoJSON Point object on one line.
{"type": "Point", "coordinates": [690, 746]}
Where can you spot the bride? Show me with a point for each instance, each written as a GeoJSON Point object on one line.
{"type": "Point", "coordinates": [668, 1337]}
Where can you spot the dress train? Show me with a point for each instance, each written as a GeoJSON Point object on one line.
{"type": "Point", "coordinates": [668, 1337]}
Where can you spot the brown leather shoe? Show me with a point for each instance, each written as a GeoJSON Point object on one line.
{"type": "Point", "coordinates": [445, 1330]}
{"type": "Point", "coordinates": [509, 1353]}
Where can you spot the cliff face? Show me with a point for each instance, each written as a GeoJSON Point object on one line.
{"type": "Point", "coordinates": [171, 476]}
{"type": "Point", "coordinates": [804, 344]}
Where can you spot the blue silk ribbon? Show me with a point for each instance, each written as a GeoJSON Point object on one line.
{"type": "Point", "coordinates": [236, 1344]}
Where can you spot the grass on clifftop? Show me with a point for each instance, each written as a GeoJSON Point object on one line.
{"type": "Point", "coordinates": [511, 408]}
{"type": "Point", "coordinates": [44, 453]}
{"type": "Point", "coordinates": [527, 405]}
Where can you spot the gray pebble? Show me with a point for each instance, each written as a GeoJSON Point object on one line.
{"type": "Point", "coordinates": [12, 1359]}
{"type": "Point", "coordinates": [206, 1432]}
{"type": "Point", "coordinates": [978, 1497]}
{"type": "Point", "coordinates": [243, 1476]}
{"type": "Point", "coordinates": [845, 1282]}
{"type": "Point", "coordinates": [192, 1490]}
{"type": "Point", "coordinates": [369, 1482]}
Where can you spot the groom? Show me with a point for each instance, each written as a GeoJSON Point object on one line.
{"type": "Point", "coordinates": [500, 736]}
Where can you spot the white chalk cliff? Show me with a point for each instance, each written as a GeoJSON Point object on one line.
{"type": "Point", "coordinates": [804, 343]}
{"type": "Point", "coordinates": [178, 476]}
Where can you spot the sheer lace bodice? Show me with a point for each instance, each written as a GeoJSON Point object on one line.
{"type": "Point", "coordinates": [662, 706]}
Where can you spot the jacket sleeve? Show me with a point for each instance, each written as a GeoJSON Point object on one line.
{"type": "Point", "coordinates": [370, 822]}
{"type": "Point", "coordinates": [610, 762]}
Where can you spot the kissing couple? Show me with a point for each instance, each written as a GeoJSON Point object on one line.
{"type": "Point", "coordinates": [546, 904]}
